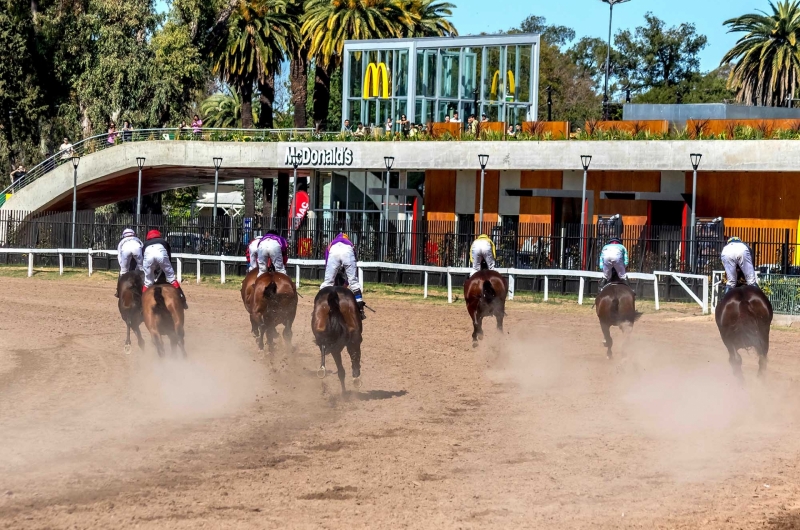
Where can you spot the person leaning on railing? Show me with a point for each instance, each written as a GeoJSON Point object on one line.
{"type": "Point", "coordinates": [66, 150]}
{"type": "Point", "coordinates": [197, 126]}
{"type": "Point", "coordinates": [127, 131]}
{"type": "Point", "coordinates": [18, 174]}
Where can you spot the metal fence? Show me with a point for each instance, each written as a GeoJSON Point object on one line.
{"type": "Point", "coordinates": [783, 292]}
{"type": "Point", "coordinates": [434, 243]}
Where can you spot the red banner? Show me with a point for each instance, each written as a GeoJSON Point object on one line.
{"type": "Point", "coordinates": [301, 205]}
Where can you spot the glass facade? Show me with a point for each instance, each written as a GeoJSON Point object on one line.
{"type": "Point", "coordinates": [360, 196]}
{"type": "Point", "coordinates": [430, 78]}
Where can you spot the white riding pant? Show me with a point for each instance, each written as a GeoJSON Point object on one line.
{"type": "Point", "coordinates": [129, 249]}
{"type": "Point", "coordinates": [481, 250]}
{"type": "Point", "coordinates": [738, 255]}
{"type": "Point", "coordinates": [253, 247]}
{"type": "Point", "coordinates": [341, 256]}
{"type": "Point", "coordinates": [270, 249]}
{"type": "Point", "coordinates": [611, 263]}
{"type": "Point", "coordinates": [155, 259]}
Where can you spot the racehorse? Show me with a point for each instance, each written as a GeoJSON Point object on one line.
{"type": "Point", "coordinates": [129, 289]}
{"type": "Point", "coordinates": [743, 317]}
{"type": "Point", "coordinates": [485, 294]}
{"type": "Point", "coordinates": [336, 324]}
{"type": "Point", "coordinates": [616, 306]}
{"type": "Point", "coordinates": [163, 315]}
{"type": "Point", "coordinates": [272, 301]}
{"type": "Point", "coordinates": [247, 293]}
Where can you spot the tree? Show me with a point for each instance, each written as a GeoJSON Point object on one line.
{"type": "Point", "coordinates": [654, 56]}
{"type": "Point", "coordinates": [298, 66]}
{"type": "Point", "coordinates": [429, 18]}
{"type": "Point", "coordinates": [223, 110]}
{"type": "Point", "coordinates": [766, 60]}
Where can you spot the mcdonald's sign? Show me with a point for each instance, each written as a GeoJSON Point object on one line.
{"type": "Point", "coordinates": [511, 85]}
{"type": "Point", "coordinates": [376, 78]}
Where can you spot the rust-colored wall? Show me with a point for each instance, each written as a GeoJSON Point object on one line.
{"type": "Point", "coordinates": [749, 195]}
{"type": "Point", "coordinates": [538, 209]}
{"type": "Point", "coordinates": [440, 195]}
{"type": "Point", "coordinates": [622, 181]}
{"type": "Point", "coordinates": [491, 196]}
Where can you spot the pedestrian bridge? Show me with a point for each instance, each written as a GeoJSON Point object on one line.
{"type": "Point", "coordinates": [110, 174]}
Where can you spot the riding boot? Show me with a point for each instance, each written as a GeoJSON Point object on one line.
{"type": "Point", "coordinates": [361, 304]}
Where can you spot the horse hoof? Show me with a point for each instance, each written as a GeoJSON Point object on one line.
{"type": "Point", "coordinates": [474, 343]}
{"type": "Point", "coordinates": [357, 382]}
{"type": "Point", "coordinates": [321, 372]}
{"type": "Point", "coordinates": [127, 349]}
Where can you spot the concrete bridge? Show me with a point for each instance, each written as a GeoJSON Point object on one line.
{"type": "Point", "coordinates": [110, 175]}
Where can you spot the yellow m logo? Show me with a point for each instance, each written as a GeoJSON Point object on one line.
{"type": "Point", "coordinates": [377, 77]}
{"type": "Point", "coordinates": [511, 85]}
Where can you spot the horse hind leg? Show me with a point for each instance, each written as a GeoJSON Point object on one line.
{"type": "Point", "coordinates": [608, 342]}
{"type": "Point", "coordinates": [139, 338]}
{"type": "Point", "coordinates": [354, 349]}
{"type": "Point", "coordinates": [127, 346]}
{"type": "Point", "coordinates": [762, 356]}
{"type": "Point", "coordinates": [337, 357]}
{"type": "Point", "coordinates": [159, 344]}
{"type": "Point", "coordinates": [735, 361]}
{"type": "Point", "coordinates": [287, 336]}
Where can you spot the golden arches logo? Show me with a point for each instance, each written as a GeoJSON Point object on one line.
{"type": "Point", "coordinates": [376, 78]}
{"type": "Point", "coordinates": [511, 85]}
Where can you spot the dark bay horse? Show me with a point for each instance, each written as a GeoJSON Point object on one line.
{"type": "Point", "coordinates": [272, 301]}
{"type": "Point", "coordinates": [129, 289]}
{"type": "Point", "coordinates": [336, 324]}
{"type": "Point", "coordinates": [616, 306]}
{"type": "Point", "coordinates": [163, 315]}
{"type": "Point", "coordinates": [743, 317]}
{"type": "Point", "coordinates": [247, 294]}
{"type": "Point", "coordinates": [485, 294]}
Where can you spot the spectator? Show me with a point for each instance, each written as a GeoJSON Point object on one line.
{"type": "Point", "coordinates": [18, 174]}
{"type": "Point", "coordinates": [347, 127]}
{"type": "Point", "coordinates": [455, 118]}
{"type": "Point", "coordinates": [413, 131]}
{"type": "Point", "coordinates": [127, 131]}
{"type": "Point", "coordinates": [360, 130]}
{"type": "Point", "coordinates": [112, 133]}
{"type": "Point", "coordinates": [197, 125]}
{"type": "Point", "coordinates": [183, 126]}
{"type": "Point", "coordinates": [484, 119]}
{"type": "Point", "coordinates": [510, 130]}
{"type": "Point", "coordinates": [66, 149]}
{"type": "Point", "coordinates": [517, 128]}
{"type": "Point", "coordinates": [473, 124]}
{"type": "Point", "coordinates": [405, 125]}
{"type": "Point", "coordinates": [389, 125]}
{"type": "Point", "coordinates": [446, 119]}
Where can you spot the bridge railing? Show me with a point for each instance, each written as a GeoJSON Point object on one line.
{"type": "Point", "coordinates": [512, 273]}
{"type": "Point", "coordinates": [99, 142]}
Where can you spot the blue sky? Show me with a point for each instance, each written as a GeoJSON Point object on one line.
{"type": "Point", "coordinates": [590, 17]}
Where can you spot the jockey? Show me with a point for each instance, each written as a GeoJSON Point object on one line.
{"type": "Point", "coordinates": [157, 255]}
{"type": "Point", "coordinates": [129, 247]}
{"type": "Point", "coordinates": [736, 255]}
{"type": "Point", "coordinates": [341, 254]}
{"type": "Point", "coordinates": [614, 256]}
{"type": "Point", "coordinates": [482, 250]}
{"type": "Point", "coordinates": [272, 247]}
{"type": "Point", "coordinates": [251, 254]}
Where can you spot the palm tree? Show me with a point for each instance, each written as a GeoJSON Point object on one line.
{"type": "Point", "coordinates": [430, 18]}
{"type": "Point", "coordinates": [298, 67]}
{"type": "Point", "coordinates": [766, 60]}
{"type": "Point", "coordinates": [223, 110]}
{"type": "Point", "coordinates": [328, 23]}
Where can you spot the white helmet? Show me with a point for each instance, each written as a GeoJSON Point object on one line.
{"type": "Point", "coordinates": [128, 232]}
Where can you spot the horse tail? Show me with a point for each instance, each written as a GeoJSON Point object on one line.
{"type": "Point", "coordinates": [489, 294]}
{"type": "Point", "coordinates": [615, 308]}
{"type": "Point", "coordinates": [159, 297]}
{"type": "Point", "coordinates": [270, 290]}
{"type": "Point", "coordinates": [336, 324]}
{"type": "Point", "coordinates": [749, 327]}
{"type": "Point", "coordinates": [637, 315]}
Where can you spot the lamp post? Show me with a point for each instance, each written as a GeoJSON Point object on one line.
{"type": "Point", "coordinates": [217, 164]}
{"type": "Point", "coordinates": [482, 160]}
{"type": "Point", "coordinates": [695, 158]}
{"type": "Point", "coordinates": [75, 161]}
{"type": "Point", "coordinates": [293, 206]}
{"type": "Point", "coordinates": [585, 161]}
{"type": "Point", "coordinates": [11, 138]}
{"type": "Point", "coordinates": [549, 90]}
{"type": "Point", "coordinates": [139, 162]}
{"type": "Point", "coordinates": [389, 161]}
{"type": "Point", "coordinates": [611, 4]}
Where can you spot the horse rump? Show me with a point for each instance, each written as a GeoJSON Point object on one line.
{"type": "Point", "coordinates": [489, 294]}
{"type": "Point", "coordinates": [335, 328]}
{"type": "Point", "coordinates": [271, 289]}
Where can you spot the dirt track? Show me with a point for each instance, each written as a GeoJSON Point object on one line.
{"type": "Point", "coordinates": [533, 429]}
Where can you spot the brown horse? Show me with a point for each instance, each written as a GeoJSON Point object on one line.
{"type": "Point", "coordinates": [485, 294]}
{"type": "Point", "coordinates": [163, 315]}
{"type": "Point", "coordinates": [336, 324]}
{"type": "Point", "coordinates": [272, 301]}
{"type": "Point", "coordinates": [129, 289]}
{"type": "Point", "coordinates": [743, 317]}
{"type": "Point", "coordinates": [247, 294]}
{"type": "Point", "coordinates": [616, 306]}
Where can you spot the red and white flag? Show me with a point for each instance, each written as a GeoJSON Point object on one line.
{"type": "Point", "coordinates": [301, 205]}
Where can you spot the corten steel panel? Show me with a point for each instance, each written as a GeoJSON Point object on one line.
{"type": "Point", "coordinates": [538, 206]}
{"type": "Point", "coordinates": [622, 181]}
{"type": "Point", "coordinates": [748, 195]}
{"type": "Point", "coordinates": [491, 194]}
{"type": "Point", "coordinates": [440, 194]}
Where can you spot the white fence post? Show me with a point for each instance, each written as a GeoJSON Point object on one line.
{"type": "Point", "coordinates": [89, 260]}
{"type": "Point", "coordinates": [222, 270]}
{"type": "Point", "coordinates": [449, 287]}
{"type": "Point", "coordinates": [361, 277]}
{"type": "Point", "coordinates": [60, 264]}
{"type": "Point", "coordinates": [180, 270]}
{"type": "Point", "coordinates": [655, 292]}
{"type": "Point", "coordinates": [425, 289]}
{"type": "Point", "coordinates": [580, 290]}
{"type": "Point", "coordinates": [512, 284]}
{"type": "Point", "coordinates": [30, 264]}
{"type": "Point", "coordinates": [546, 287]}
{"type": "Point", "coordinates": [705, 295]}
{"type": "Point", "coordinates": [297, 276]}
{"type": "Point", "coordinates": [198, 272]}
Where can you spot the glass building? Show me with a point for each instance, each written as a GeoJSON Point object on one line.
{"type": "Point", "coordinates": [429, 78]}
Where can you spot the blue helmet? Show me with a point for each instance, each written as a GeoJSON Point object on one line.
{"type": "Point", "coordinates": [614, 240]}
{"type": "Point", "coordinates": [734, 239]}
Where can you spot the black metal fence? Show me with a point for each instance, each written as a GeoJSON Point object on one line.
{"type": "Point", "coordinates": [440, 243]}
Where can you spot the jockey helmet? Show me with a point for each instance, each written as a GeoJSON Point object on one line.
{"type": "Point", "coordinates": [152, 234]}
{"type": "Point", "coordinates": [734, 239]}
{"type": "Point", "coordinates": [272, 232]}
{"type": "Point", "coordinates": [616, 240]}
{"type": "Point", "coordinates": [344, 235]}
{"type": "Point", "coordinates": [128, 232]}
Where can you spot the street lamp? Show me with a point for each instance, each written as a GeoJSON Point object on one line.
{"type": "Point", "coordinates": [482, 160]}
{"type": "Point", "coordinates": [75, 161]}
{"type": "Point", "coordinates": [695, 158]}
{"type": "Point", "coordinates": [389, 161]}
{"type": "Point", "coordinates": [11, 138]}
{"type": "Point", "coordinates": [295, 163]}
{"type": "Point", "coordinates": [217, 164]}
{"type": "Point", "coordinates": [585, 161]}
{"type": "Point", "coordinates": [139, 162]}
{"type": "Point", "coordinates": [611, 4]}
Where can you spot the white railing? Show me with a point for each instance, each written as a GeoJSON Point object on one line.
{"type": "Point", "coordinates": [426, 270]}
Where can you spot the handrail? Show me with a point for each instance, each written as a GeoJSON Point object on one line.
{"type": "Point", "coordinates": [101, 141]}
